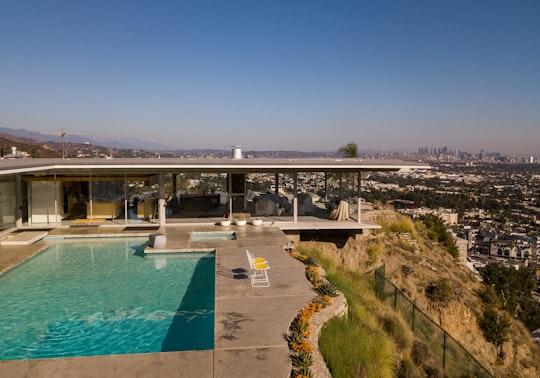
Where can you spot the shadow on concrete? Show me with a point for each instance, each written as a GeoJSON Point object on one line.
{"type": "Point", "coordinates": [235, 274]}
{"type": "Point", "coordinates": [140, 228]}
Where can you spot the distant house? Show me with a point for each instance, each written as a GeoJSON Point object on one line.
{"type": "Point", "coordinates": [16, 154]}
{"type": "Point", "coordinates": [513, 247]}
{"type": "Point", "coordinates": [400, 204]}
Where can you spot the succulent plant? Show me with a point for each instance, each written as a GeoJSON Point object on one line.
{"type": "Point", "coordinates": [312, 261]}
{"type": "Point", "coordinates": [302, 372]}
{"type": "Point", "coordinates": [295, 337]}
{"type": "Point", "coordinates": [302, 359]}
{"type": "Point", "coordinates": [328, 288]}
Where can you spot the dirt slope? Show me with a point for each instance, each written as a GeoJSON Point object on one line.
{"type": "Point", "coordinates": [412, 264]}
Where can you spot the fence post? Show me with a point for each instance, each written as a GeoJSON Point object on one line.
{"type": "Point", "coordinates": [478, 365]}
{"type": "Point", "coordinates": [444, 351]}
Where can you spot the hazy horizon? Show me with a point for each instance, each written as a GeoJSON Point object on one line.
{"type": "Point", "coordinates": [276, 75]}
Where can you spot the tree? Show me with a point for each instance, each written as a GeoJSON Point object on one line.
{"type": "Point", "coordinates": [437, 232]}
{"type": "Point", "coordinates": [350, 150]}
{"type": "Point", "coordinates": [514, 290]}
{"type": "Point", "coordinates": [495, 327]}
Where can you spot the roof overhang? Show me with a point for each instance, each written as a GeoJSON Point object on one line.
{"type": "Point", "coordinates": [203, 165]}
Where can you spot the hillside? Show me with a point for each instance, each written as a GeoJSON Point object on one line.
{"type": "Point", "coordinates": [412, 263]}
{"type": "Point", "coordinates": [52, 149]}
{"type": "Point", "coordinates": [32, 147]}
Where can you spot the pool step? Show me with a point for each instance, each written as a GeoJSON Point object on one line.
{"type": "Point", "coordinates": [24, 238]}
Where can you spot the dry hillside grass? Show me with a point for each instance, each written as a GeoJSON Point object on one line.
{"type": "Point", "coordinates": [413, 262]}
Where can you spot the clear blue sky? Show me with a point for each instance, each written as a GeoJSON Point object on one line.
{"type": "Point", "coordinates": [269, 74]}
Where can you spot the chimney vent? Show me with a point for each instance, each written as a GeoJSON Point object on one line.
{"type": "Point", "coordinates": [237, 152]}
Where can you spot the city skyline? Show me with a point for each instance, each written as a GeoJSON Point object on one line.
{"type": "Point", "coordinates": [302, 75]}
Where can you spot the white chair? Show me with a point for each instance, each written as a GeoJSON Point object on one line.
{"type": "Point", "coordinates": [259, 265]}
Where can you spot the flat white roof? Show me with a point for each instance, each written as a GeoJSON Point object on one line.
{"type": "Point", "coordinates": [152, 166]}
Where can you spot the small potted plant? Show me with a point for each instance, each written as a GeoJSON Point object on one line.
{"type": "Point", "coordinates": [226, 221]}
{"type": "Point", "coordinates": [240, 220]}
{"type": "Point", "coordinates": [256, 221]}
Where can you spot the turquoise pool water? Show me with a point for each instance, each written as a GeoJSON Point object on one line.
{"type": "Point", "coordinates": [102, 296]}
{"type": "Point", "coordinates": [212, 236]}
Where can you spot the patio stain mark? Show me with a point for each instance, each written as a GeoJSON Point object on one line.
{"type": "Point", "coordinates": [232, 324]}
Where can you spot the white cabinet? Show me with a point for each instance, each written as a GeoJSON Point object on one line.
{"type": "Point", "coordinates": [45, 199]}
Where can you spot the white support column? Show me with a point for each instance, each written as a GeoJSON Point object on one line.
{"type": "Point", "coordinates": [55, 201]}
{"type": "Point", "coordinates": [126, 207]}
{"type": "Point", "coordinates": [326, 189]}
{"type": "Point", "coordinates": [30, 207]}
{"type": "Point", "coordinates": [90, 199]}
{"type": "Point", "coordinates": [295, 198]}
{"type": "Point", "coordinates": [229, 194]}
{"type": "Point", "coordinates": [161, 200]}
{"type": "Point", "coordinates": [358, 199]}
{"type": "Point", "coordinates": [18, 201]}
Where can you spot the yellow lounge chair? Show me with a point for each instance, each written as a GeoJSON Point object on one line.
{"type": "Point", "coordinates": [259, 265]}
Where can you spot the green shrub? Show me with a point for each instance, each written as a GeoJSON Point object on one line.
{"type": "Point", "coordinates": [302, 359]}
{"type": "Point", "coordinates": [438, 232]}
{"type": "Point", "coordinates": [396, 328]}
{"type": "Point", "coordinates": [433, 371]}
{"type": "Point", "coordinates": [320, 300]}
{"type": "Point", "coordinates": [311, 261]}
{"type": "Point", "coordinates": [419, 353]}
{"type": "Point", "coordinates": [295, 337]}
{"type": "Point", "coordinates": [402, 225]}
{"type": "Point", "coordinates": [488, 295]}
{"type": "Point", "coordinates": [328, 288]}
{"type": "Point", "coordinates": [375, 249]}
{"type": "Point", "coordinates": [302, 372]}
{"type": "Point", "coordinates": [299, 326]}
{"type": "Point", "coordinates": [407, 369]}
{"type": "Point", "coordinates": [311, 275]}
{"type": "Point", "coordinates": [496, 328]}
{"type": "Point", "coordinates": [350, 345]}
{"type": "Point", "coordinates": [440, 291]}
{"type": "Point", "coordinates": [404, 244]}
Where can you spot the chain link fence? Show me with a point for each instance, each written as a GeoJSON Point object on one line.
{"type": "Point", "coordinates": [455, 360]}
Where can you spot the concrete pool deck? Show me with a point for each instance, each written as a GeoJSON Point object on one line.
{"type": "Point", "coordinates": [249, 323]}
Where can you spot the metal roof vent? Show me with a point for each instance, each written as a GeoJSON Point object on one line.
{"type": "Point", "coordinates": [237, 152]}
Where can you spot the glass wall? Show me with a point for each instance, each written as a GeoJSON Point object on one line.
{"type": "Point", "coordinates": [7, 203]}
{"type": "Point", "coordinates": [92, 199]}
{"type": "Point", "coordinates": [142, 196]}
{"type": "Point", "coordinates": [135, 199]}
{"type": "Point", "coordinates": [45, 202]}
{"type": "Point", "coordinates": [108, 199]}
{"type": "Point", "coordinates": [194, 195]}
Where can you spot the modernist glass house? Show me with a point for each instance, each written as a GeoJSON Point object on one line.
{"type": "Point", "coordinates": [53, 192]}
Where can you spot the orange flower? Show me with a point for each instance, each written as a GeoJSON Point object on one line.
{"type": "Point", "coordinates": [327, 299]}
{"type": "Point", "coordinates": [304, 346]}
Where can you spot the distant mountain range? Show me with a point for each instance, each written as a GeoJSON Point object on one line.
{"type": "Point", "coordinates": [126, 143]}
{"type": "Point", "coordinates": [46, 145]}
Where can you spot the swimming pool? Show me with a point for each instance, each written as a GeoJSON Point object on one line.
{"type": "Point", "coordinates": [89, 297]}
